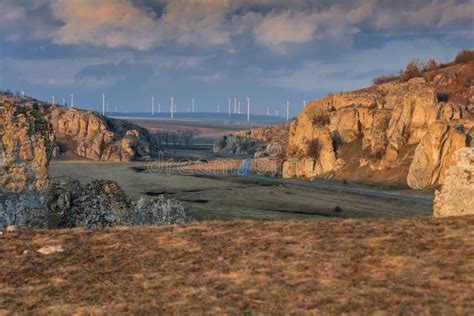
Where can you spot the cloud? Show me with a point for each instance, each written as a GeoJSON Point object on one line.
{"type": "Point", "coordinates": [277, 25]}
{"type": "Point", "coordinates": [277, 30]}
{"type": "Point", "coordinates": [110, 23]}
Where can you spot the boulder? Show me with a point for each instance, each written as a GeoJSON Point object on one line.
{"type": "Point", "coordinates": [456, 197]}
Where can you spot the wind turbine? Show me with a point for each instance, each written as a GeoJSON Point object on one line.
{"type": "Point", "coordinates": [152, 106]}
{"type": "Point", "coordinates": [53, 100]}
{"type": "Point", "coordinates": [235, 105]}
{"type": "Point", "coordinates": [159, 107]}
{"type": "Point", "coordinates": [172, 108]}
{"type": "Point", "coordinates": [103, 104]}
{"type": "Point", "coordinates": [238, 108]}
{"type": "Point", "coordinates": [248, 109]}
{"type": "Point", "coordinates": [287, 110]}
{"type": "Point", "coordinates": [229, 106]}
{"type": "Point", "coordinates": [268, 111]}
{"type": "Point", "coordinates": [218, 108]}
{"type": "Point", "coordinates": [72, 100]}
{"type": "Point", "coordinates": [64, 101]}
{"type": "Point", "coordinates": [193, 106]}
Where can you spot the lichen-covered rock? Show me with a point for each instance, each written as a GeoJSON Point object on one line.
{"type": "Point", "coordinates": [103, 203]}
{"type": "Point", "coordinates": [26, 145]}
{"type": "Point", "coordinates": [456, 197]}
{"type": "Point", "coordinates": [24, 209]}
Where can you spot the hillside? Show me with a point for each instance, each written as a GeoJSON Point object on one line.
{"type": "Point", "coordinates": [403, 132]}
{"type": "Point", "coordinates": [415, 266]}
{"type": "Point", "coordinates": [87, 134]}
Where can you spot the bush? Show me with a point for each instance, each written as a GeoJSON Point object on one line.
{"type": "Point", "coordinates": [412, 70]}
{"type": "Point", "coordinates": [431, 64]}
{"type": "Point", "coordinates": [384, 79]}
{"type": "Point", "coordinates": [464, 56]}
{"type": "Point", "coordinates": [321, 120]}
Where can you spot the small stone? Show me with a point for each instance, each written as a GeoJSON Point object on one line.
{"type": "Point", "coordinates": [27, 252]}
{"type": "Point", "coordinates": [11, 229]}
{"type": "Point", "coordinates": [47, 250]}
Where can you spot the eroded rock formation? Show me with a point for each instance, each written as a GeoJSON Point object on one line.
{"type": "Point", "coordinates": [26, 145]}
{"type": "Point", "coordinates": [86, 134]}
{"type": "Point", "coordinates": [456, 197]}
{"type": "Point", "coordinates": [411, 126]}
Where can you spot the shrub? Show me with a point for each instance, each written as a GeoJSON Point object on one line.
{"type": "Point", "coordinates": [321, 120]}
{"type": "Point", "coordinates": [412, 70]}
{"type": "Point", "coordinates": [384, 79]}
{"type": "Point", "coordinates": [431, 64]}
{"type": "Point", "coordinates": [464, 56]}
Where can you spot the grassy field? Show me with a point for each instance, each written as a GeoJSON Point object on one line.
{"type": "Point", "coordinates": [214, 196]}
{"type": "Point", "coordinates": [419, 265]}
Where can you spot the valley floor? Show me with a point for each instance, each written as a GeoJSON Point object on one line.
{"type": "Point", "coordinates": [217, 195]}
{"type": "Point", "coordinates": [418, 265]}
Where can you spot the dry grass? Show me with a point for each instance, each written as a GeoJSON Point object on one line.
{"type": "Point", "coordinates": [405, 266]}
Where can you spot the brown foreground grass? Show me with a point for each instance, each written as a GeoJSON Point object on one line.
{"type": "Point", "coordinates": [420, 265]}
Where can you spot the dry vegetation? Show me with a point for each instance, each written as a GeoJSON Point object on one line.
{"type": "Point", "coordinates": [412, 266]}
{"type": "Point", "coordinates": [417, 68]}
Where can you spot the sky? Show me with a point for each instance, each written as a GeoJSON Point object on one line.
{"type": "Point", "coordinates": [210, 50]}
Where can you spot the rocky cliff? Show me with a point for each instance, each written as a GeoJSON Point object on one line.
{"type": "Point", "coordinates": [405, 130]}
{"type": "Point", "coordinates": [26, 145]}
{"type": "Point", "coordinates": [86, 134]}
{"type": "Point", "coordinates": [456, 197]}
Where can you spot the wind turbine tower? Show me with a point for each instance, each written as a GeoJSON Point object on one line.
{"type": "Point", "coordinates": [229, 106]}
{"type": "Point", "coordinates": [218, 108]}
{"type": "Point", "coordinates": [103, 104]}
{"type": "Point", "coordinates": [287, 110]}
{"type": "Point", "coordinates": [193, 106]}
{"type": "Point", "coordinates": [152, 106]}
{"type": "Point", "coordinates": [268, 111]}
{"type": "Point", "coordinates": [64, 101]}
{"type": "Point", "coordinates": [53, 100]}
{"type": "Point", "coordinates": [172, 108]}
{"type": "Point", "coordinates": [248, 109]}
{"type": "Point", "coordinates": [72, 100]}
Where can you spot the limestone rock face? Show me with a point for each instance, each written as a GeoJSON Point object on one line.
{"type": "Point", "coordinates": [98, 138]}
{"type": "Point", "coordinates": [86, 134]}
{"type": "Point", "coordinates": [26, 145]}
{"type": "Point", "coordinates": [389, 120]}
{"type": "Point", "coordinates": [435, 153]}
{"type": "Point", "coordinates": [456, 197]}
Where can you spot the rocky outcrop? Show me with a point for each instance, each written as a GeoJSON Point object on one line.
{"type": "Point", "coordinates": [387, 120]}
{"type": "Point", "coordinates": [86, 134]}
{"type": "Point", "coordinates": [435, 153]}
{"type": "Point", "coordinates": [26, 145]}
{"type": "Point", "coordinates": [262, 142]}
{"type": "Point", "coordinates": [456, 197]}
{"type": "Point", "coordinates": [66, 204]}
{"type": "Point", "coordinates": [99, 138]}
